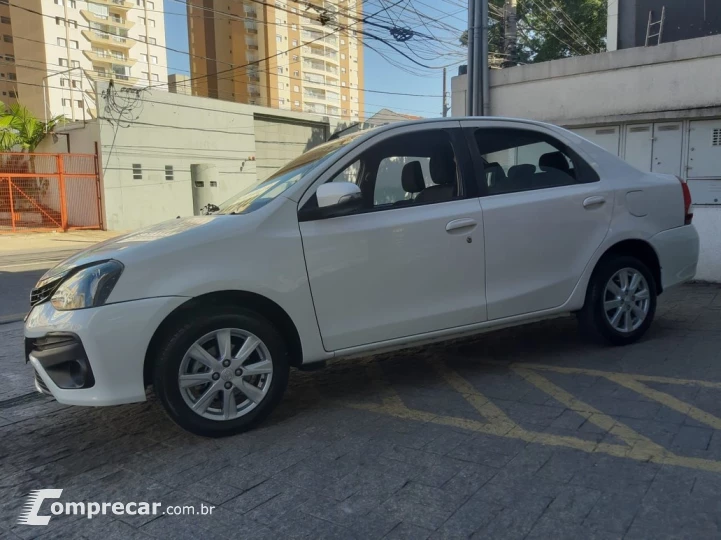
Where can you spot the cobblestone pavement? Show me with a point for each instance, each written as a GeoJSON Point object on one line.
{"type": "Point", "coordinates": [525, 433]}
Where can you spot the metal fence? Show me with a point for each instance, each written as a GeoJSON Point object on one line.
{"type": "Point", "coordinates": [49, 192]}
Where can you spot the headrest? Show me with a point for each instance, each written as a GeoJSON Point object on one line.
{"type": "Point", "coordinates": [412, 177]}
{"type": "Point", "coordinates": [553, 160]}
{"type": "Point", "coordinates": [521, 171]}
{"type": "Point", "coordinates": [443, 168]}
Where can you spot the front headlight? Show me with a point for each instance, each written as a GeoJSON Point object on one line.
{"type": "Point", "coordinates": [87, 287]}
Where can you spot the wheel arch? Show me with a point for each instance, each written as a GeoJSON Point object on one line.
{"type": "Point", "coordinates": [641, 250]}
{"type": "Point", "coordinates": [256, 302]}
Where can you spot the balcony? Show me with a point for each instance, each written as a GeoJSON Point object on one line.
{"type": "Point", "coordinates": [104, 38]}
{"type": "Point", "coordinates": [112, 20]}
{"type": "Point", "coordinates": [320, 52]}
{"type": "Point", "coordinates": [251, 30]}
{"type": "Point", "coordinates": [107, 75]}
{"type": "Point", "coordinates": [251, 15]}
{"type": "Point", "coordinates": [254, 78]}
{"type": "Point", "coordinates": [123, 5]}
{"type": "Point", "coordinates": [253, 47]}
{"type": "Point", "coordinates": [314, 108]}
{"type": "Point", "coordinates": [105, 57]}
{"type": "Point", "coordinates": [317, 37]}
{"type": "Point", "coordinates": [319, 66]}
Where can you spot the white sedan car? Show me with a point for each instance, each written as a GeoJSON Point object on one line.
{"type": "Point", "coordinates": [406, 234]}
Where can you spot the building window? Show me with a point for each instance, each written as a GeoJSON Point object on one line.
{"type": "Point", "coordinates": [342, 83]}
{"type": "Point", "coordinates": [295, 58]}
{"type": "Point", "coordinates": [295, 43]}
{"type": "Point", "coordinates": [5, 20]}
{"type": "Point", "coordinates": [296, 103]}
{"type": "Point", "coordinates": [278, 21]}
{"type": "Point", "coordinates": [137, 171]}
{"type": "Point", "coordinates": [151, 5]}
{"type": "Point", "coordinates": [64, 82]}
{"type": "Point", "coordinates": [12, 77]}
{"type": "Point", "coordinates": [295, 88]}
{"type": "Point", "coordinates": [296, 73]}
{"type": "Point", "coordinates": [213, 183]}
{"type": "Point", "coordinates": [80, 104]}
{"type": "Point", "coordinates": [143, 39]}
{"type": "Point", "coordinates": [168, 172]}
{"type": "Point", "coordinates": [156, 77]}
{"type": "Point", "coordinates": [73, 24]}
{"type": "Point", "coordinates": [74, 44]}
{"type": "Point", "coordinates": [279, 38]}
{"type": "Point", "coordinates": [7, 39]}
{"type": "Point", "coordinates": [144, 57]}
{"type": "Point", "coordinates": [62, 42]}
{"type": "Point", "coordinates": [152, 41]}
{"type": "Point", "coordinates": [280, 70]}
{"type": "Point", "coordinates": [145, 75]}
{"type": "Point", "coordinates": [75, 63]}
{"type": "Point", "coordinates": [72, 4]}
{"type": "Point", "coordinates": [344, 98]}
{"type": "Point", "coordinates": [342, 70]}
{"type": "Point", "coordinates": [59, 20]}
{"type": "Point", "coordinates": [66, 102]}
{"type": "Point", "coordinates": [294, 26]}
{"type": "Point", "coordinates": [151, 23]}
{"type": "Point", "coordinates": [62, 62]}
{"type": "Point", "coordinates": [141, 3]}
{"type": "Point", "coordinates": [342, 56]}
{"type": "Point", "coordinates": [10, 58]}
{"type": "Point", "coordinates": [342, 41]}
{"type": "Point", "coordinates": [142, 20]}
{"type": "Point", "coordinates": [154, 59]}
{"type": "Point", "coordinates": [12, 94]}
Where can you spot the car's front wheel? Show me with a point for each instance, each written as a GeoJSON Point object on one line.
{"type": "Point", "coordinates": [221, 371]}
{"type": "Point", "coordinates": [620, 301]}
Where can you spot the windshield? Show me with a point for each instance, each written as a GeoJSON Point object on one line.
{"type": "Point", "coordinates": [260, 194]}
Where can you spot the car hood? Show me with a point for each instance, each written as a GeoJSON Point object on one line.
{"type": "Point", "coordinates": [121, 247]}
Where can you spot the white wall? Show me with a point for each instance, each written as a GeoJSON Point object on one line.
{"type": "Point", "coordinates": [621, 85]}
{"type": "Point", "coordinates": [162, 129]}
{"type": "Point", "coordinates": [708, 223]}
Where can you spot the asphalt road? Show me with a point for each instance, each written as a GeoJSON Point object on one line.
{"type": "Point", "coordinates": [18, 274]}
{"type": "Point", "coordinates": [527, 433]}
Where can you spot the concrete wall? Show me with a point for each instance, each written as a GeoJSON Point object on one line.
{"type": "Point", "coordinates": [624, 84]}
{"type": "Point", "coordinates": [159, 129]}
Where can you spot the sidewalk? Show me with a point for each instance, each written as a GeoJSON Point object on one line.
{"type": "Point", "coordinates": [43, 242]}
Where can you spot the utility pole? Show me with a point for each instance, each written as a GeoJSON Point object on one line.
{"type": "Point", "coordinates": [510, 31]}
{"type": "Point", "coordinates": [478, 87]}
{"type": "Point", "coordinates": [445, 103]}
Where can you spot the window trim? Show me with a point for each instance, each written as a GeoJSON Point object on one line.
{"type": "Point", "coordinates": [357, 150]}
{"type": "Point", "coordinates": [580, 162]}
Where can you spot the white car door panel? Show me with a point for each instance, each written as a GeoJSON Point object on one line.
{"type": "Point", "coordinates": [538, 244]}
{"type": "Point", "coordinates": [545, 213]}
{"type": "Point", "coordinates": [396, 273]}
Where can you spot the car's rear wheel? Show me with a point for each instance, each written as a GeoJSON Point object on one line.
{"type": "Point", "coordinates": [620, 301]}
{"type": "Point", "coordinates": [221, 372]}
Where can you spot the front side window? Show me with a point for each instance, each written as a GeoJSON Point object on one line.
{"type": "Point", "coordinates": [521, 160]}
{"type": "Point", "coordinates": [417, 168]}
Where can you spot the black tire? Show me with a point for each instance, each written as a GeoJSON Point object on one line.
{"type": "Point", "coordinates": [178, 342]}
{"type": "Point", "coordinates": [592, 317]}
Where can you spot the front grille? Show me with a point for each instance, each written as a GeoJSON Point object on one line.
{"type": "Point", "coordinates": [41, 384]}
{"type": "Point", "coordinates": [43, 293]}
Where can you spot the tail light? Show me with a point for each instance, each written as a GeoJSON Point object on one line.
{"type": "Point", "coordinates": [687, 209]}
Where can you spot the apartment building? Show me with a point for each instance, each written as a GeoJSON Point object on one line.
{"type": "Point", "coordinates": [282, 55]}
{"type": "Point", "coordinates": [62, 48]}
{"type": "Point", "coordinates": [8, 86]}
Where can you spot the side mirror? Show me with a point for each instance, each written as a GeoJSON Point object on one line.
{"type": "Point", "coordinates": [337, 193]}
{"type": "Point", "coordinates": [334, 199]}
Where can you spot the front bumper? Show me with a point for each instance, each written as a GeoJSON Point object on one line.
{"type": "Point", "coordinates": [678, 252]}
{"type": "Point", "coordinates": [114, 339]}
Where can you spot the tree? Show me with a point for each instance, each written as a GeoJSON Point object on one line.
{"type": "Point", "coordinates": [549, 29]}
{"type": "Point", "coordinates": [19, 128]}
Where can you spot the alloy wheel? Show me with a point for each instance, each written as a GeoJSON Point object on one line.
{"type": "Point", "coordinates": [225, 374]}
{"type": "Point", "coordinates": [626, 300]}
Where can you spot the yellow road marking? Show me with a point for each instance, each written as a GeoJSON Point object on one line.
{"type": "Point", "coordinates": [637, 447]}
{"type": "Point", "coordinates": [669, 401]}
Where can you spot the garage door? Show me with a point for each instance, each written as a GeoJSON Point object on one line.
{"type": "Point", "coordinates": [277, 141]}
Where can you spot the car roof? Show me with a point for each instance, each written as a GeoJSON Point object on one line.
{"type": "Point", "coordinates": [430, 121]}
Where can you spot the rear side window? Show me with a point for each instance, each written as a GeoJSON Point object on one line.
{"type": "Point", "coordinates": [521, 160]}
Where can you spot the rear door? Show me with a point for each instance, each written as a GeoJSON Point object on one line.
{"type": "Point", "coordinates": [545, 212]}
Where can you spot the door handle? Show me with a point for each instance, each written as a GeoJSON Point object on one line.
{"type": "Point", "coordinates": [592, 202]}
{"type": "Point", "coordinates": [458, 225]}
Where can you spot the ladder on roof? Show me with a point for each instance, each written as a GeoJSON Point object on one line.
{"type": "Point", "coordinates": [659, 34]}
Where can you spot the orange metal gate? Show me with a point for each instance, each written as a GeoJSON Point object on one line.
{"type": "Point", "coordinates": [49, 192]}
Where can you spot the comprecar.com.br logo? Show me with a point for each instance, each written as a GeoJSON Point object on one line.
{"type": "Point", "coordinates": [30, 514]}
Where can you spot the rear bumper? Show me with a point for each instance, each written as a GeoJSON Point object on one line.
{"type": "Point", "coordinates": [678, 251]}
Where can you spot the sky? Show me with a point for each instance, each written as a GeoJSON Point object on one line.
{"type": "Point", "coordinates": [379, 73]}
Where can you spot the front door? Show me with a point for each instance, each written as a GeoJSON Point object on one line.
{"type": "Point", "coordinates": [411, 261]}
{"type": "Point", "coordinates": [545, 212]}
